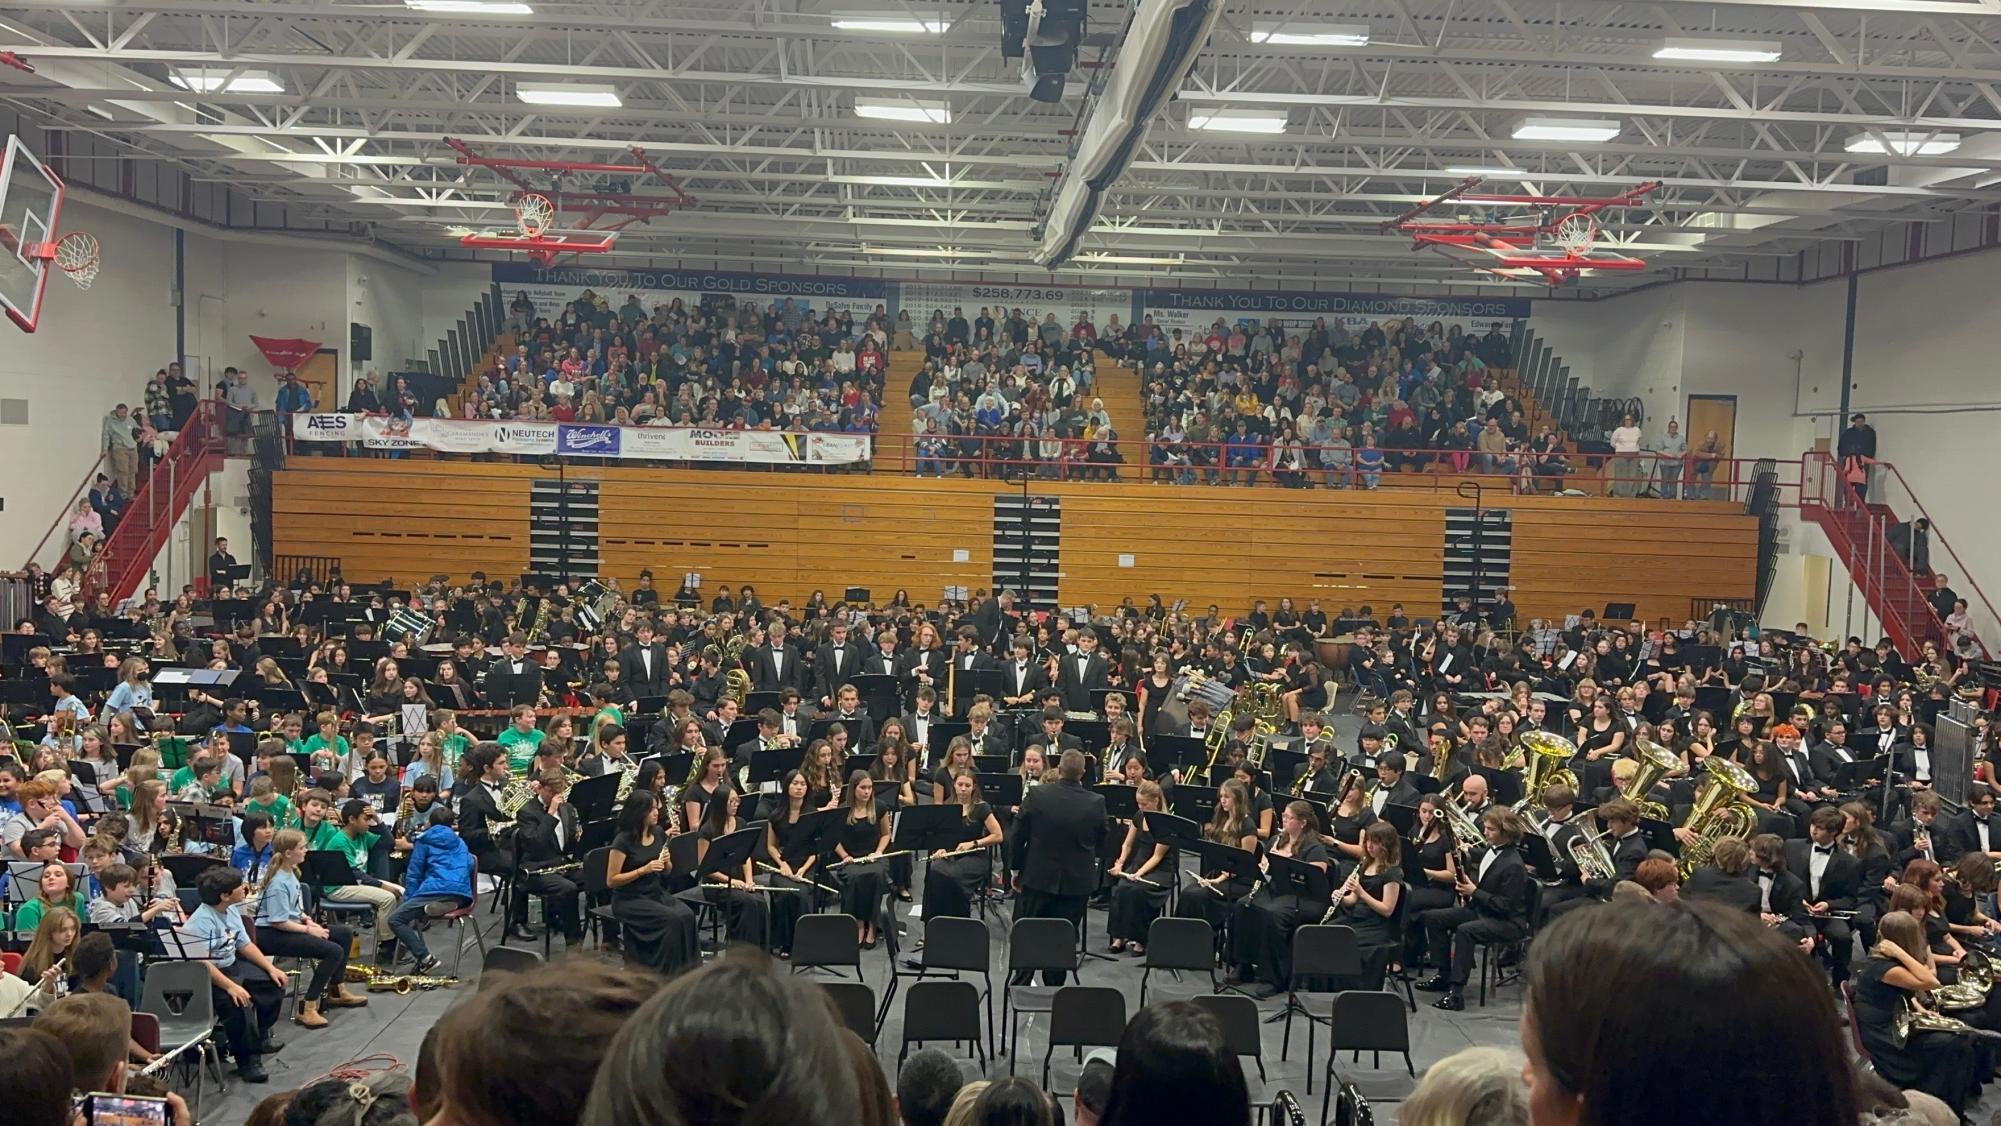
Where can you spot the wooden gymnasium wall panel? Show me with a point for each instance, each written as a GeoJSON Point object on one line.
{"type": "Point", "coordinates": [1655, 555]}
{"type": "Point", "coordinates": [403, 520]}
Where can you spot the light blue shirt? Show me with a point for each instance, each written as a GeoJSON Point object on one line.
{"type": "Point", "coordinates": [223, 931]}
{"type": "Point", "coordinates": [125, 697]}
{"type": "Point", "coordinates": [283, 900]}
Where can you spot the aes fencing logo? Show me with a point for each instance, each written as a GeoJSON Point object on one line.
{"type": "Point", "coordinates": [329, 425]}
{"type": "Point", "coordinates": [600, 441]}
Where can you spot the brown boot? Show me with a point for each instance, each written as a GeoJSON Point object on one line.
{"type": "Point", "coordinates": [339, 998]}
{"type": "Point", "coordinates": [309, 1015]}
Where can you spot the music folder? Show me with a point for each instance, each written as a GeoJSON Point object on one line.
{"type": "Point", "coordinates": [1229, 859]}
{"type": "Point", "coordinates": [1286, 876]}
{"type": "Point", "coordinates": [1177, 832]}
{"type": "Point", "coordinates": [1000, 790]}
{"type": "Point", "coordinates": [328, 868]}
{"type": "Point", "coordinates": [1503, 786]}
{"type": "Point", "coordinates": [1541, 858]}
{"type": "Point", "coordinates": [922, 828]}
{"type": "Point", "coordinates": [1660, 835]}
{"type": "Point", "coordinates": [1121, 801]}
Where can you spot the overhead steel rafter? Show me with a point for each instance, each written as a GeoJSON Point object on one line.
{"type": "Point", "coordinates": [751, 106]}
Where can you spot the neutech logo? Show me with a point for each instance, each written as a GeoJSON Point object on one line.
{"type": "Point", "coordinates": [601, 441]}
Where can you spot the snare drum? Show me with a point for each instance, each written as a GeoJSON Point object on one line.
{"type": "Point", "coordinates": [411, 627]}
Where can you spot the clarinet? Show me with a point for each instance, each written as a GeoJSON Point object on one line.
{"type": "Point", "coordinates": [1334, 907]}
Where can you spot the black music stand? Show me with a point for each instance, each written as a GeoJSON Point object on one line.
{"type": "Point", "coordinates": [1402, 817]}
{"type": "Point", "coordinates": [768, 767]}
{"type": "Point", "coordinates": [595, 799]}
{"type": "Point", "coordinates": [1121, 801]}
{"type": "Point", "coordinates": [186, 869]}
{"type": "Point", "coordinates": [89, 799]}
{"type": "Point", "coordinates": [1234, 862]}
{"type": "Point", "coordinates": [1165, 752]}
{"type": "Point", "coordinates": [1541, 858]}
{"type": "Point", "coordinates": [730, 852]}
{"type": "Point", "coordinates": [881, 695]}
{"type": "Point", "coordinates": [1000, 790]}
{"type": "Point", "coordinates": [1196, 803]}
{"type": "Point", "coordinates": [1286, 876]}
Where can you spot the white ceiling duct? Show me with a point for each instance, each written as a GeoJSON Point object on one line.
{"type": "Point", "coordinates": [1161, 44]}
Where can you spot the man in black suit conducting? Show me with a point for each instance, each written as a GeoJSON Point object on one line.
{"type": "Point", "coordinates": [1057, 834]}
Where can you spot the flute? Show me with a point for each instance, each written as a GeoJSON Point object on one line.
{"type": "Point", "coordinates": [967, 851]}
{"type": "Point", "coordinates": [870, 857]}
{"type": "Point", "coordinates": [1139, 879]}
{"type": "Point", "coordinates": [776, 871]}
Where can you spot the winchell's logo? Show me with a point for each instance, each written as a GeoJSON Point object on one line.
{"type": "Point", "coordinates": [588, 439]}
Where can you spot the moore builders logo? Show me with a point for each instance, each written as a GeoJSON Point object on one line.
{"type": "Point", "coordinates": [601, 441]}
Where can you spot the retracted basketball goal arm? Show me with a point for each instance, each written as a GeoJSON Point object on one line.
{"type": "Point", "coordinates": [626, 208]}
{"type": "Point", "coordinates": [1567, 223]}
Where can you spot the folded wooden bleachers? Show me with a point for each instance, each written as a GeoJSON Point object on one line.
{"type": "Point", "coordinates": [791, 533]}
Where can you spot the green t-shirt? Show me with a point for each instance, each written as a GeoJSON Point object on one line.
{"type": "Point", "coordinates": [332, 836]}
{"type": "Point", "coordinates": [521, 746]}
{"type": "Point", "coordinates": [279, 809]}
{"type": "Point", "coordinates": [30, 915]}
{"type": "Point", "coordinates": [319, 748]}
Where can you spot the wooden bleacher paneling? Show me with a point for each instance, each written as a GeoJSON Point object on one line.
{"type": "Point", "coordinates": [789, 534]}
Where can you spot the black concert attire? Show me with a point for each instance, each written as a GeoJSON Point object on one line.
{"type": "Point", "coordinates": [1493, 914]}
{"type": "Point", "coordinates": [795, 845]}
{"type": "Point", "coordinates": [658, 930]}
{"type": "Point", "coordinates": [1378, 936]}
{"type": "Point", "coordinates": [1839, 883]}
{"type": "Point", "coordinates": [862, 885]}
{"type": "Point", "coordinates": [748, 912]}
{"type": "Point", "coordinates": [1427, 895]}
{"type": "Point", "coordinates": [951, 885]}
{"type": "Point", "coordinates": [479, 805]}
{"type": "Point", "coordinates": [1261, 940]}
{"type": "Point", "coordinates": [543, 841]}
{"type": "Point", "coordinates": [1215, 906]}
{"type": "Point", "coordinates": [1940, 1064]}
{"type": "Point", "coordinates": [1136, 905]}
{"type": "Point", "coordinates": [1057, 834]}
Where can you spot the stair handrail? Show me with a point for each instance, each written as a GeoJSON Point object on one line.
{"type": "Point", "coordinates": [64, 513]}
{"type": "Point", "coordinates": [1835, 492]}
{"type": "Point", "coordinates": [136, 541]}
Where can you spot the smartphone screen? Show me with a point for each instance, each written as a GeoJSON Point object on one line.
{"type": "Point", "coordinates": [124, 1110]}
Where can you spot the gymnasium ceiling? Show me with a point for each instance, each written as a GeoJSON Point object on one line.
{"type": "Point", "coordinates": [751, 105]}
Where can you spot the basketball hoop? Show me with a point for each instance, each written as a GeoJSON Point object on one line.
{"type": "Point", "coordinates": [77, 255]}
{"type": "Point", "coordinates": [1576, 232]}
{"type": "Point", "coordinates": [533, 214]}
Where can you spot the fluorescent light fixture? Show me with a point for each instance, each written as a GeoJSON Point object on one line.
{"type": "Point", "coordinates": [1705, 49]}
{"type": "Point", "coordinates": [1225, 122]}
{"type": "Point", "coordinates": [1903, 142]}
{"type": "Point", "coordinates": [917, 110]}
{"type": "Point", "coordinates": [470, 7]}
{"type": "Point", "coordinates": [1486, 170]}
{"type": "Point", "coordinates": [926, 252]}
{"type": "Point", "coordinates": [1566, 129]}
{"type": "Point", "coordinates": [225, 80]}
{"type": "Point", "coordinates": [910, 23]}
{"type": "Point", "coordinates": [598, 94]}
{"type": "Point", "coordinates": [897, 181]}
{"type": "Point", "coordinates": [1310, 34]}
{"type": "Point", "coordinates": [1131, 259]}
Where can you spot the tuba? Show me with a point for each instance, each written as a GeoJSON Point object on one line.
{"type": "Point", "coordinates": [1719, 811]}
{"type": "Point", "coordinates": [1656, 763]}
{"type": "Point", "coordinates": [1548, 764]}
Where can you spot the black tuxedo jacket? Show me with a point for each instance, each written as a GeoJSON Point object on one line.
{"type": "Point", "coordinates": [1712, 883]}
{"type": "Point", "coordinates": [1788, 894]}
{"type": "Point", "coordinates": [994, 626]}
{"type": "Point", "coordinates": [477, 806]}
{"type": "Point", "coordinates": [1626, 857]}
{"type": "Point", "coordinates": [1946, 845]}
{"type": "Point", "coordinates": [827, 678]}
{"type": "Point", "coordinates": [1077, 686]}
{"type": "Point", "coordinates": [632, 669]}
{"type": "Point", "coordinates": [1056, 839]}
{"type": "Point", "coordinates": [877, 664]}
{"type": "Point", "coordinates": [1503, 892]}
{"type": "Point", "coordinates": [1018, 681]}
{"type": "Point", "coordinates": [1969, 836]}
{"type": "Point", "coordinates": [537, 836]}
{"type": "Point", "coordinates": [505, 687]}
{"type": "Point", "coordinates": [768, 675]}
{"type": "Point", "coordinates": [1840, 882]}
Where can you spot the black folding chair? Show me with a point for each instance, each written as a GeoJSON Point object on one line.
{"type": "Point", "coordinates": [827, 942]}
{"type": "Point", "coordinates": [856, 1002]}
{"type": "Point", "coordinates": [1034, 944]}
{"type": "Point", "coordinates": [942, 1010]}
{"type": "Point", "coordinates": [1179, 944]}
{"type": "Point", "coordinates": [1083, 1016]}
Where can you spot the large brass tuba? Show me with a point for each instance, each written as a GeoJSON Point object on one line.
{"type": "Point", "coordinates": [1656, 763]}
{"type": "Point", "coordinates": [1719, 811]}
{"type": "Point", "coordinates": [1548, 765]}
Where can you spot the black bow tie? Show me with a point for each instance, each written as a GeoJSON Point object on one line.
{"type": "Point", "coordinates": [1824, 850]}
{"type": "Point", "coordinates": [1765, 876]}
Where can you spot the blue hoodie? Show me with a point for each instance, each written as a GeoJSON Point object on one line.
{"type": "Point", "coordinates": [440, 866]}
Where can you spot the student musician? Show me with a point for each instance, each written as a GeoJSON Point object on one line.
{"type": "Point", "coordinates": [1833, 884]}
{"type": "Point", "coordinates": [1367, 904]}
{"type": "Point", "coordinates": [1212, 896]}
{"type": "Point", "coordinates": [1624, 841]}
{"type": "Point", "coordinates": [1350, 815]}
{"type": "Point", "coordinates": [1899, 970]}
{"type": "Point", "coordinates": [1261, 939]}
{"type": "Point", "coordinates": [548, 833]}
{"type": "Point", "coordinates": [1557, 826]}
{"type": "Point", "coordinates": [794, 850]}
{"type": "Point", "coordinates": [658, 931]}
{"type": "Point", "coordinates": [955, 876]}
{"type": "Point", "coordinates": [1142, 876]}
{"type": "Point", "coordinates": [1494, 893]}
{"type": "Point", "coordinates": [747, 908]}
{"type": "Point", "coordinates": [710, 788]}
{"type": "Point", "coordinates": [860, 839]}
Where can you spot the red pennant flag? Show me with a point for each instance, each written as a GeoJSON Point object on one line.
{"type": "Point", "coordinates": [287, 354]}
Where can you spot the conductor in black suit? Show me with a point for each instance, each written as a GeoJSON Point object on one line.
{"type": "Point", "coordinates": [994, 621]}
{"type": "Point", "coordinates": [1079, 674]}
{"type": "Point", "coordinates": [643, 665]}
{"type": "Point", "coordinates": [1496, 894]}
{"type": "Point", "coordinates": [1056, 839]}
{"type": "Point", "coordinates": [513, 679]}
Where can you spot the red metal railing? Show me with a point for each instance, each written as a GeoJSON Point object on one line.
{"type": "Point", "coordinates": [1860, 529]}
{"type": "Point", "coordinates": [58, 534]}
{"type": "Point", "coordinates": [128, 552]}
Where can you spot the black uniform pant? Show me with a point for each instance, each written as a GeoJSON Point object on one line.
{"type": "Point", "coordinates": [246, 1026]}
{"type": "Point", "coordinates": [1451, 933]}
{"type": "Point", "coordinates": [329, 954]}
{"type": "Point", "coordinates": [1036, 904]}
{"type": "Point", "coordinates": [559, 901]}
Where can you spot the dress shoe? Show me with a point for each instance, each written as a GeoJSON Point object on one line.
{"type": "Point", "coordinates": [271, 1045]}
{"type": "Point", "coordinates": [252, 1072]}
{"type": "Point", "coordinates": [1263, 990]}
{"type": "Point", "coordinates": [1452, 1002]}
{"type": "Point", "coordinates": [1436, 983]}
{"type": "Point", "coordinates": [520, 933]}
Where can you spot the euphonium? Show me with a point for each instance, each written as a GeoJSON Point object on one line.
{"type": "Point", "coordinates": [1466, 832]}
{"type": "Point", "coordinates": [1548, 765]}
{"type": "Point", "coordinates": [1719, 811]}
{"type": "Point", "coordinates": [1593, 860]}
{"type": "Point", "coordinates": [1656, 763]}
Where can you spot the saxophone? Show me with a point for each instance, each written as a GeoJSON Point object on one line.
{"type": "Point", "coordinates": [539, 629]}
{"type": "Point", "coordinates": [1719, 811]}
{"type": "Point", "coordinates": [378, 980]}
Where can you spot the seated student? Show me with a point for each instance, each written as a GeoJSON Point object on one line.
{"type": "Point", "coordinates": [98, 967]}
{"type": "Point", "coordinates": [249, 988]}
{"type": "Point", "coordinates": [56, 887]}
{"type": "Point", "coordinates": [353, 838]}
{"type": "Point", "coordinates": [439, 879]}
{"type": "Point", "coordinates": [121, 902]}
{"type": "Point", "coordinates": [284, 929]}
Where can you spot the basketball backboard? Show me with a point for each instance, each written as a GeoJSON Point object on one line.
{"type": "Point", "coordinates": [31, 203]}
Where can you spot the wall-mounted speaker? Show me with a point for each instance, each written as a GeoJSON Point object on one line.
{"type": "Point", "coordinates": [360, 343]}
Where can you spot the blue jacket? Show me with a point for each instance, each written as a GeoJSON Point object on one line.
{"type": "Point", "coordinates": [439, 867]}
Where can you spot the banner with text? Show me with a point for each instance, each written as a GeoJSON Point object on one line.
{"type": "Point", "coordinates": [1067, 302]}
{"type": "Point", "coordinates": [551, 289]}
{"type": "Point", "coordinates": [539, 439]}
{"type": "Point", "coordinates": [1194, 310]}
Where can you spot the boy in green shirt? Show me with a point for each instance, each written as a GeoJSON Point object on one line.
{"type": "Point", "coordinates": [328, 747]}
{"type": "Point", "coordinates": [353, 838]}
{"type": "Point", "coordinates": [522, 738]}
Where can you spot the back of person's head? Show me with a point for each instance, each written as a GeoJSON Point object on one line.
{"type": "Point", "coordinates": [38, 1075]}
{"type": "Point", "coordinates": [1070, 767]}
{"type": "Point", "coordinates": [380, 1099]}
{"type": "Point", "coordinates": [1094, 1086]}
{"type": "Point", "coordinates": [497, 1063]}
{"type": "Point", "coordinates": [1470, 1087]}
{"type": "Point", "coordinates": [96, 1028]}
{"type": "Point", "coordinates": [875, 1105]}
{"type": "Point", "coordinates": [1615, 989]}
{"type": "Point", "coordinates": [965, 1105]}
{"type": "Point", "coordinates": [926, 1085]}
{"type": "Point", "coordinates": [734, 1041]}
{"type": "Point", "coordinates": [1173, 1065]}
{"type": "Point", "coordinates": [1015, 1101]}
{"type": "Point", "coordinates": [95, 957]}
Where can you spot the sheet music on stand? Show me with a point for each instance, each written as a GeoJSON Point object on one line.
{"type": "Point", "coordinates": [955, 594]}
{"type": "Point", "coordinates": [1544, 640]}
{"type": "Point", "coordinates": [692, 580]}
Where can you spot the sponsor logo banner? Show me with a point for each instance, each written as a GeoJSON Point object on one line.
{"type": "Point", "coordinates": [651, 443]}
{"type": "Point", "coordinates": [596, 441]}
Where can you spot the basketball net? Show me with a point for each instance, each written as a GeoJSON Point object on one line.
{"type": "Point", "coordinates": [77, 256]}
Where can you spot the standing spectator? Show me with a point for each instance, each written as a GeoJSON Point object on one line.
{"type": "Point", "coordinates": [159, 401]}
{"type": "Point", "coordinates": [183, 394]}
{"type": "Point", "coordinates": [86, 520]}
{"type": "Point", "coordinates": [1625, 465]}
{"type": "Point", "coordinates": [121, 448]}
{"type": "Point", "coordinates": [1855, 450]}
{"type": "Point", "coordinates": [363, 399]}
{"type": "Point", "coordinates": [242, 400]}
{"type": "Point", "coordinates": [108, 500]}
{"type": "Point", "coordinates": [1673, 449]}
{"type": "Point", "coordinates": [293, 398]}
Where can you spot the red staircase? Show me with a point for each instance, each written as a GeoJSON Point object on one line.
{"type": "Point", "coordinates": [1859, 530]}
{"type": "Point", "coordinates": [122, 564]}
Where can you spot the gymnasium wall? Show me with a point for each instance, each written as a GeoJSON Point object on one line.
{"type": "Point", "coordinates": [789, 535]}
